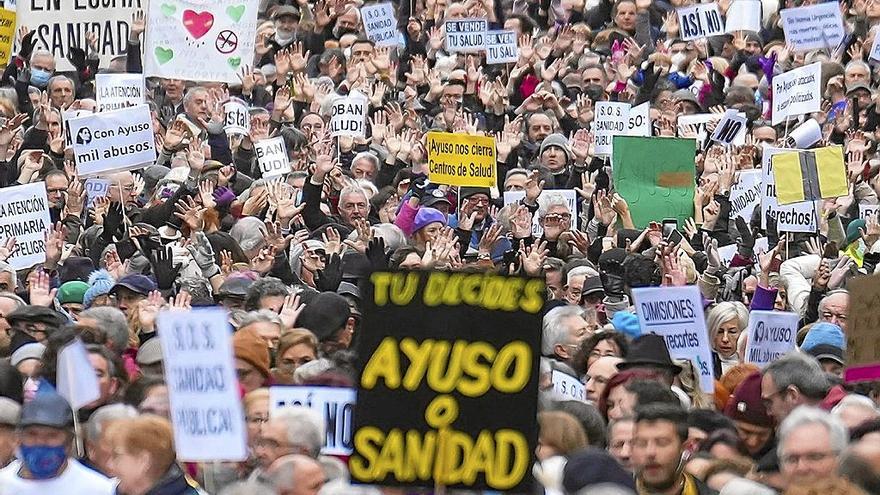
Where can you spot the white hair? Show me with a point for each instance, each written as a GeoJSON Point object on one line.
{"type": "Point", "coordinates": [104, 415]}
{"type": "Point", "coordinates": [855, 401]}
{"type": "Point", "coordinates": [547, 201]}
{"type": "Point", "coordinates": [305, 428]}
{"type": "Point", "coordinates": [808, 415]}
{"type": "Point", "coordinates": [724, 312]}
{"type": "Point", "coordinates": [578, 271]}
{"type": "Point", "coordinates": [553, 330]}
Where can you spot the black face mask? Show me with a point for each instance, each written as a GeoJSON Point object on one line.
{"type": "Point", "coordinates": [19, 339]}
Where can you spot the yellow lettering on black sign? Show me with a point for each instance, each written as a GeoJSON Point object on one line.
{"type": "Point", "coordinates": [461, 160]}
{"type": "Point", "coordinates": [487, 291]}
{"type": "Point", "coordinates": [445, 455]}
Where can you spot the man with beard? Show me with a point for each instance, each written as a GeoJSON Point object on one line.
{"type": "Point", "coordinates": [658, 452]}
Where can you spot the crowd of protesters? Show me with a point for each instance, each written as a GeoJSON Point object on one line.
{"type": "Point", "coordinates": [287, 257]}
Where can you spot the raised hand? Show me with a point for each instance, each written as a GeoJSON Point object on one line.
{"type": "Point", "coordinates": [39, 288]}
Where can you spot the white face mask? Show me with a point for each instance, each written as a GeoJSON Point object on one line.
{"type": "Point", "coordinates": [677, 60]}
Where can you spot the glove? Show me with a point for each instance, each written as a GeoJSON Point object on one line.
{"type": "Point", "coordinates": [203, 254]}
{"type": "Point", "coordinates": [224, 196]}
{"type": "Point", "coordinates": [112, 222]}
{"type": "Point", "coordinates": [27, 46]}
{"type": "Point", "coordinates": [77, 58]}
{"type": "Point", "coordinates": [376, 254]}
{"type": "Point", "coordinates": [612, 274]}
{"type": "Point", "coordinates": [418, 186]}
{"type": "Point", "coordinates": [330, 277]}
{"type": "Point", "coordinates": [163, 268]}
{"type": "Point", "coordinates": [746, 246]}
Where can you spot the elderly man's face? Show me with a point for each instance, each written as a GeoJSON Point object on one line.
{"type": "Point", "coordinates": [197, 105]}
{"type": "Point", "coordinates": [835, 309]}
{"type": "Point", "coordinates": [540, 126]}
{"type": "Point", "coordinates": [516, 182]}
{"type": "Point", "coordinates": [807, 455]}
{"type": "Point", "coordinates": [56, 185]}
{"type": "Point", "coordinates": [856, 74]}
{"type": "Point", "coordinates": [61, 93]}
{"type": "Point", "coordinates": [353, 206]}
{"type": "Point", "coordinates": [363, 169]}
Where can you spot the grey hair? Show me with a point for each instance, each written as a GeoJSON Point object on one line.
{"type": "Point", "coordinates": [855, 401]}
{"type": "Point", "coordinates": [193, 90]}
{"type": "Point", "coordinates": [578, 271]}
{"type": "Point", "coordinates": [311, 370]}
{"type": "Point", "coordinates": [340, 487]}
{"type": "Point", "coordinates": [807, 415]}
{"type": "Point", "coordinates": [353, 189]}
{"type": "Point", "coordinates": [367, 187]}
{"type": "Point", "coordinates": [40, 53]}
{"type": "Point", "coordinates": [824, 300]}
{"type": "Point", "coordinates": [113, 322]}
{"type": "Point", "coordinates": [259, 316]}
{"type": "Point", "coordinates": [54, 79]}
{"type": "Point", "coordinates": [19, 302]}
{"type": "Point", "coordinates": [553, 330]}
{"type": "Point", "coordinates": [334, 469]}
{"type": "Point", "coordinates": [105, 414]}
{"type": "Point", "coordinates": [800, 370]}
{"type": "Point", "coordinates": [305, 428]}
{"type": "Point", "coordinates": [7, 268]}
{"type": "Point", "coordinates": [370, 157]}
{"type": "Point", "coordinates": [726, 311]}
{"type": "Point", "coordinates": [858, 63]}
{"type": "Point", "coordinates": [549, 201]}
{"type": "Point", "coordinates": [247, 488]}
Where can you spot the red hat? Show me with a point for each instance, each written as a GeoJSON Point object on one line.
{"type": "Point", "coordinates": [746, 405]}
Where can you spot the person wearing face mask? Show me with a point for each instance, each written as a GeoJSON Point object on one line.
{"type": "Point", "coordinates": [286, 21]}
{"type": "Point", "coordinates": [42, 68]}
{"type": "Point", "coordinates": [45, 439]}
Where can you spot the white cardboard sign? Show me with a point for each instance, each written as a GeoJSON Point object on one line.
{"type": "Point", "coordinates": [466, 35]}
{"type": "Point", "coordinates": [196, 40]}
{"type": "Point", "coordinates": [743, 15]}
{"type": "Point", "coordinates": [639, 123]}
{"type": "Point", "coordinates": [676, 313]}
{"type": "Point", "coordinates": [866, 211]}
{"type": "Point", "coordinates": [60, 26]}
{"type": "Point", "coordinates": [700, 21]}
{"type": "Point", "coordinates": [206, 409]}
{"type": "Point", "coordinates": [334, 404]}
{"type": "Point", "coordinates": [237, 118]}
{"type": "Point", "coordinates": [501, 47]}
{"type": "Point", "coordinates": [272, 157]}
{"type": "Point", "coordinates": [567, 387]}
{"type": "Point", "coordinates": [24, 214]}
{"type": "Point", "coordinates": [813, 27]}
{"type": "Point", "coordinates": [115, 141]}
{"type": "Point", "coordinates": [96, 188]}
{"type": "Point", "coordinates": [729, 128]}
{"type": "Point", "coordinates": [74, 382]}
{"type": "Point", "coordinates": [380, 24]}
{"type": "Point", "coordinates": [611, 119]}
{"type": "Point", "coordinates": [797, 92]}
{"type": "Point", "coordinates": [348, 115]}
{"type": "Point", "coordinates": [117, 91]}
{"type": "Point", "coordinates": [772, 334]}
{"type": "Point", "coordinates": [795, 217]}
{"type": "Point", "coordinates": [700, 121]}
{"type": "Point", "coordinates": [745, 195]}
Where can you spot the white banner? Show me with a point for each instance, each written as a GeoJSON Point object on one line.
{"type": "Point", "coordinates": [334, 404]}
{"type": "Point", "coordinates": [96, 188]}
{"type": "Point", "coordinates": [772, 334]}
{"type": "Point", "coordinates": [676, 313]}
{"type": "Point", "coordinates": [348, 115]}
{"type": "Point", "coordinates": [730, 128]}
{"type": "Point", "coordinates": [380, 24]}
{"type": "Point", "coordinates": [795, 217]}
{"type": "Point", "coordinates": [74, 382]}
{"type": "Point", "coordinates": [797, 92]}
{"type": "Point", "coordinates": [501, 47]}
{"type": "Point", "coordinates": [866, 211]}
{"type": "Point", "coordinates": [117, 91]}
{"type": "Point", "coordinates": [63, 24]}
{"type": "Point", "coordinates": [272, 157]}
{"type": "Point", "coordinates": [466, 35]}
{"type": "Point", "coordinates": [875, 49]}
{"type": "Point", "coordinates": [567, 387]}
{"type": "Point", "coordinates": [200, 41]}
{"type": "Point", "coordinates": [206, 409]}
{"type": "Point", "coordinates": [237, 118]}
{"type": "Point", "coordinates": [743, 15]}
{"type": "Point", "coordinates": [569, 195]}
{"type": "Point", "coordinates": [639, 123]}
{"type": "Point", "coordinates": [699, 21]}
{"type": "Point", "coordinates": [66, 117]}
{"type": "Point", "coordinates": [611, 119]}
{"type": "Point", "coordinates": [745, 195]}
{"type": "Point", "coordinates": [110, 142]}
{"type": "Point", "coordinates": [24, 214]}
{"type": "Point", "coordinates": [700, 121]}
{"type": "Point", "coordinates": [813, 27]}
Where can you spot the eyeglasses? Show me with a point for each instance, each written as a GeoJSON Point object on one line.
{"type": "Point", "coordinates": [557, 218]}
{"type": "Point", "coordinates": [478, 201]}
{"type": "Point", "coordinates": [809, 458]}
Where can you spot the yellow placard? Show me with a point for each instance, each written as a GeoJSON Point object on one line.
{"type": "Point", "coordinates": [789, 179]}
{"type": "Point", "coordinates": [831, 170]}
{"type": "Point", "coordinates": [461, 160]}
{"type": "Point", "coordinates": [7, 35]}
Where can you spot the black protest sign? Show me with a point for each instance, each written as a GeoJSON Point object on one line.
{"type": "Point", "coordinates": [448, 385]}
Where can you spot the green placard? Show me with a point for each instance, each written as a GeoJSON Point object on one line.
{"type": "Point", "coordinates": [655, 175]}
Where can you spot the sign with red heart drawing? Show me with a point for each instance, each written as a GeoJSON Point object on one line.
{"type": "Point", "coordinates": [199, 41]}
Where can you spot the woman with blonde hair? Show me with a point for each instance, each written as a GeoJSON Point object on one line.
{"type": "Point", "coordinates": [143, 458]}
